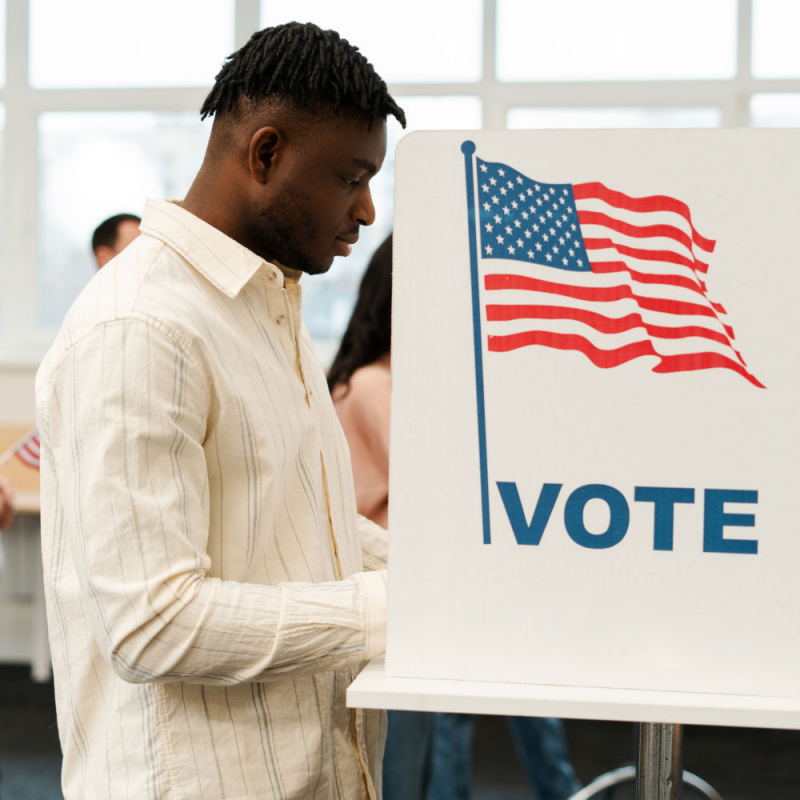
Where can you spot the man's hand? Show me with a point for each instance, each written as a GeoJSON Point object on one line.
{"type": "Point", "coordinates": [7, 510]}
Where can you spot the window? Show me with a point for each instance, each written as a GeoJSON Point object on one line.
{"type": "Point", "coordinates": [100, 111]}
{"type": "Point", "coordinates": [614, 118]}
{"type": "Point", "coordinates": [92, 43]}
{"type": "Point", "coordinates": [775, 51]}
{"type": "Point", "coordinates": [414, 41]}
{"type": "Point", "coordinates": [586, 40]}
{"type": "Point", "coordinates": [2, 42]}
{"type": "Point", "coordinates": [775, 111]}
{"type": "Point", "coordinates": [95, 164]}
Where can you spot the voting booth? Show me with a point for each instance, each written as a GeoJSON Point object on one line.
{"type": "Point", "coordinates": [594, 430]}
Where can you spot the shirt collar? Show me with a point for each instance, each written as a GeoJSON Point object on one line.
{"type": "Point", "coordinates": [223, 261]}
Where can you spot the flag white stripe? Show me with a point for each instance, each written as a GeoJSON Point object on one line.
{"type": "Point", "coordinates": [612, 341]}
{"type": "Point", "coordinates": [609, 254]}
{"type": "Point", "coordinates": [589, 280]}
{"type": "Point", "coordinates": [618, 311]}
{"type": "Point", "coordinates": [657, 243]}
{"type": "Point", "coordinates": [642, 219]}
{"type": "Point", "coordinates": [534, 296]}
{"type": "Point", "coordinates": [30, 460]}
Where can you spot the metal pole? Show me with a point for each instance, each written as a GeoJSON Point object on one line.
{"type": "Point", "coordinates": [659, 767]}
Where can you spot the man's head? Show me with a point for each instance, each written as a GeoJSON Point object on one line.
{"type": "Point", "coordinates": [299, 131]}
{"type": "Point", "coordinates": [113, 235]}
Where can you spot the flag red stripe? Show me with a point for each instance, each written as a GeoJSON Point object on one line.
{"type": "Point", "coordinates": [635, 231]}
{"type": "Point", "coordinates": [596, 294]}
{"type": "Point", "coordinates": [606, 359]}
{"type": "Point", "coordinates": [669, 279]}
{"type": "Point", "coordinates": [666, 256]}
{"type": "Point", "coordinates": [504, 313]}
{"type": "Point", "coordinates": [596, 190]}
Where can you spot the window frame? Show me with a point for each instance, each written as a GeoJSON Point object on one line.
{"type": "Point", "coordinates": [23, 341]}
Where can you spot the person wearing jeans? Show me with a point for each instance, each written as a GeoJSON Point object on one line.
{"type": "Point", "coordinates": [540, 745]}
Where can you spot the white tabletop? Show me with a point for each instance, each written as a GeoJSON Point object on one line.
{"type": "Point", "coordinates": [373, 689]}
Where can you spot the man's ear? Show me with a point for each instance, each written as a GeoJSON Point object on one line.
{"type": "Point", "coordinates": [266, 147]}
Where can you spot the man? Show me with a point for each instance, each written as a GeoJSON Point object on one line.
{"type": "Point", "coordinates": [7, 510]}
{"type": "Point", "coordinates": [204, 562]}
{"type": "Point", "coordinates": [113, 235]}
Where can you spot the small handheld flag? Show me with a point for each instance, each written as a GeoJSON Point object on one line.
{"type": "Point", "coordinates": [26, 450]}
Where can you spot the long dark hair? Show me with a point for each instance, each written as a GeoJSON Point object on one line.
{"type": "Point", "coordinates": [369, 333]}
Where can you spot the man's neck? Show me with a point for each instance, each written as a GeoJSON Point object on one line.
{"type": "Point", "coordinates": [206, 199]}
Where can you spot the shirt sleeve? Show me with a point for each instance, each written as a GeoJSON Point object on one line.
{"type": "Point", "coordinates": [374, 544]}
{"type": "Point", "coordinates": [126, 413]}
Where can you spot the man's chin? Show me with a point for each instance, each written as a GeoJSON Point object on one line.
{"type": "Point", "coordinates": [316, 267]}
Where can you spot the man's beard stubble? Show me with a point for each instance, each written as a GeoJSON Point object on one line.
{"type": "Point", "coordinates": [284, 232]}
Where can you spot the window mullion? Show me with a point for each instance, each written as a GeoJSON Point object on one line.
{"type": "Point", "coordinates": [248, 21]}
{"type": "Point", "coordinates": [19, 308]}
{"type": "Point", "coordinates": [493, 109]}
{"type": "Point", "coordinates": [739, 114]}
{"type": "Point", "coordinates": [489, 41]}
{"type": "Point", "coordinates": [123, 99]}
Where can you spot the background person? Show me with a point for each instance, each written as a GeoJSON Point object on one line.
{"type": "Point", "coordinates": [427, 756]}
{"type": "Point", "coordinates": [211, 591]}
{"type": "Point", "coordinates": [113, 235]}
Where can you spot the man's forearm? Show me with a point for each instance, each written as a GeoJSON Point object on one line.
{"type": "Point", "coordinates": [221, 632]}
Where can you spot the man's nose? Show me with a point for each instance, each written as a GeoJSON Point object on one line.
{"type": "Point", "coordinates": [364, 211]}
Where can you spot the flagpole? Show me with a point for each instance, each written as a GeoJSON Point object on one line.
{"type": "Point", "coordinates": [468, 149]}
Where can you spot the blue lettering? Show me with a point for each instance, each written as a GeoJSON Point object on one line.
{"type": "Point", "coordinates": [715, 519]}
{"type": "Point", "coordinates": [663, 499]}
{"type": "Point", "coordinates": [523, 532]}
{"type": "Point", "coordinates": [617, 525]}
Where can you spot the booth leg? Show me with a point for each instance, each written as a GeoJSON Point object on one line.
{"type": "Point", "coordinates": [660, 763]}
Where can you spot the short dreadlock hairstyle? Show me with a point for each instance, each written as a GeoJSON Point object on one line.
{"type": "Point", "coordinates": [306, 65]}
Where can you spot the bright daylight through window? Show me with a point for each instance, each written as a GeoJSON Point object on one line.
{"type": "Point", "coordinates": [103, 140]}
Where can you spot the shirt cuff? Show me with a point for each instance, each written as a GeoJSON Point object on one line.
{"type": "Point", "coordinates": [373, 587]}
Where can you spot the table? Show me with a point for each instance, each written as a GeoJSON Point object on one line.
{"type": "Point", "coordinates": [374, 689]}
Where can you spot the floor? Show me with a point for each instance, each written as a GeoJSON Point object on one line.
{"type": "Point", "coordinates": [740, 763]}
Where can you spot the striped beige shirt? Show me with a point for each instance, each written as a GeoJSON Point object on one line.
{"type": "Point", "coordinates": [204, 562]}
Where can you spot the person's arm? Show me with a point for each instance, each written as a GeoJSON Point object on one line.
{"type": "Point", "coordinates": [7, 510]}
{"type": "Point", "coordinates": [364, 414]}
{"type": "Point", "coordinates": [125, 416]}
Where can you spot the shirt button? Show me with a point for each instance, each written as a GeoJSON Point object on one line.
{"type": "Point", "coordinates": [280, 319]}
{"type": "Point", "coordinates": [271, 276]}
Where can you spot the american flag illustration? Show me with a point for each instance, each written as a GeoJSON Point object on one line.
{"type": "Point", "coordinates": [27, 450]}
{"type": "Point", "coordinates": [582, 267]}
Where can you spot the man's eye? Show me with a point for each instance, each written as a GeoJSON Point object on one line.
{"type": "Point", "coordinates": [351, 182]}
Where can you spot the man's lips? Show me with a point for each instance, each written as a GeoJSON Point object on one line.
{"type": "Point", "coordinates": [344, 244]}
